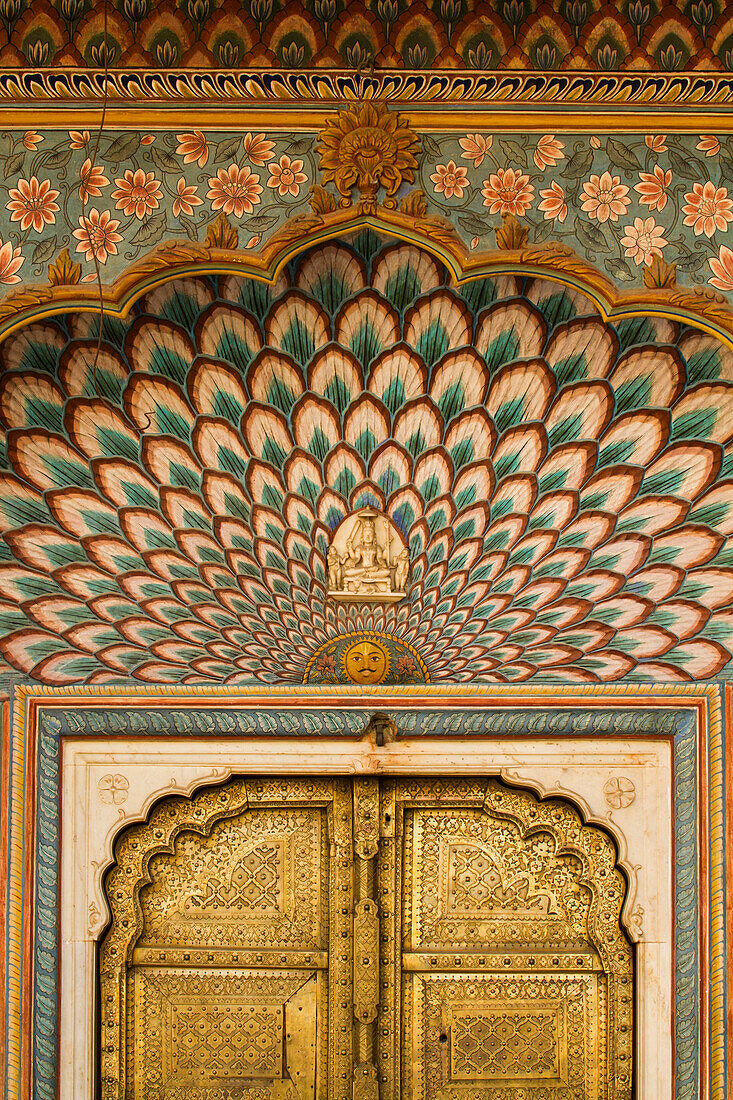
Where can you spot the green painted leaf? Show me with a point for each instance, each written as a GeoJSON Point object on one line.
{"type": "Point", "coordinates": [123, 147]}
{"type": "Point", "coordinates": [620, 155]}
{"type": "Point", "coordinates": [164, 160]}
{"type": "Point", "coordinates": [44, 250]}
{"type": "Point", "coordinates": [151, 230]}
{"type": "Point", "coordinates": [590, 236]}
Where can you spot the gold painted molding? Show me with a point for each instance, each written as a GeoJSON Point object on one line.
{"type": "Point", "coordinates": [702, 308]}
{"type": "Point", "coordinates": [444, 118]}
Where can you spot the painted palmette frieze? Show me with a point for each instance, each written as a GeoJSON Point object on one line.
{"type": "Point", "coordinates": [546, 493]}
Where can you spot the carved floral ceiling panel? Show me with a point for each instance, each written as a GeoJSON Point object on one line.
{"type": "Point", "coordinates": [301, 34]}
{"type": "Point", "coordinates": [564, 485]}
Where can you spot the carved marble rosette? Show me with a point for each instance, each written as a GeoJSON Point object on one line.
{"type": "Point", "coordinates": [368, 561]}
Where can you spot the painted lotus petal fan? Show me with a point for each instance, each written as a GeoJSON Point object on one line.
{"type": "Point", "coordinates": [564, 485]}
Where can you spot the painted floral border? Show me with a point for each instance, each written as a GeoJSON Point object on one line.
{"type": "Point", "coordinates": [645, 209]}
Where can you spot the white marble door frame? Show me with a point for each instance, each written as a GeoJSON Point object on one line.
{"type": "Point", "coordinates": [626, 786]}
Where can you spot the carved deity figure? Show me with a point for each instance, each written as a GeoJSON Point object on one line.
{"type": "Point", "coordinates": [365, 564]}
{"type": "Point", "coordinates": [367, 560]}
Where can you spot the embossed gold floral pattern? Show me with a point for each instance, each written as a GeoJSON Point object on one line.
{"type": "Point", "coordinates": [461, 941]}
{"type": "Point", "coordinates": [226, 927]}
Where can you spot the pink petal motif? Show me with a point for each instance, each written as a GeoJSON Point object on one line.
{"type": "Point", "coordinates": [707, 208]}
{"type": "Point", "coordinates": [235, 190]}
{"type": "Point", "coordinates": [605, 197]}
{"type": "Point", "coordinates": [193, 147]}
{"type": "Point", "coordinates": [653, 188]}
{"type": "Point", "coordinates": [548, 151]}
{"type": "Point", "coordinates": [286, 176]}
{"type": "Point", "coordinates": [138, 193]}
{"type": "Point", "coordinates": [709, 145]}
{"type": "Point", "coordinates": [476, 147]}
{"type": "Point", "coordinates": [258, 149]}
{"type": "Point", "coordinates": [561, 482]}
{"type": "Point", "coordinates": [32, 204]}
{"type": "Point", "coordinates": [643, 240]}
{"type": "Point", "coordinates": [97, 235]}
{"type": "Point", "coordinates": [553, 203]}
{"type": "Point", "coordinates": [10, 262]}
{"type": "Point", "coordinates": [722, 269]}
{"type": "Point", "coordinates": [508, 191]}
{"type": "Point", "coordinates": [450, 180]}
{"type": "Point", "coordinates": [186, 198]}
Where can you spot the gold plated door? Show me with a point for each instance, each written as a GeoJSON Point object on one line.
{"type": "Point", "coordinates": [505, 972]}
{"type": "Point", "coordinates": [366, 939]}
{"type": "Point", "coordinates": [227, 971]}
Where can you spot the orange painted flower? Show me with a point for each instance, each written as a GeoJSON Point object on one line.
{"type": "Point", "coordinates": [722, 268]}
{"type": "Point", "coordinates": [508, 192]}
{"type": "Point", "coordinates": [234, 190]}
{"type": "Point", "coordinates": [605, 197]}
{"type": "Point", "coordinates": [656, 142]}
{"type": "Point", "coordinates": [595, 142]}
{"type": "Point", "coordinates": [287, 175]}
{"type": "Point", "coordinates": [449, 180]}
{"type": "Point", "coordinates": [79, 139]}
{"type": "Point", "coordinates": [643, 239]}
{"type": "Point", "coordinates": [186, 199]}
{"type": "Point", "coordinates": [258, 149]}
{"type": "Point", "coordinates": [147, 139]}
{"type": "Point", "coordinates": [548, 151]}
{"type": "Point", "coordinates": [475, 147]}
{"type": "Point", "coordinates": [653, 188]}
{"type": "Point", "coordinates": [553, 203]}
{"type": "Point", "coordinates": [32, 204]}
{"type": "Point", "coordinates": [137, 193]}
{"type": "Point", "coordinates": [97, 235]}
{"type": "Point", "coordinates": [93, 180]}
{"type": "Point", "coordinates": [10, 261]}
{"type": "Point", "coordinates": [707, 208]}
{"type": "Point", "coordinates": [31, 138]}
{"type": "Point", "coordinates": [709, 145]}
{"type": "Point", "coordinates": [193, 147]}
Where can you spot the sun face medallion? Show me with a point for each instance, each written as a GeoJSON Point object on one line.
{"type": "Point", "coordinates": [366, 662]}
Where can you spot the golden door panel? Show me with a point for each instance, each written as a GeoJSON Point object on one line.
{"type": "Point", "coordinates": [509, 975]}
{"type": "Point", "coordinates": [209, 1032]}
{"type": "Point", "coordinates": [501, 1035]}
{"type": "Point", "coordinates": [296, 939]}
{"type": "Point", "coordinates": [255, 880]}
{"type": "Point", "coordinates": [227, 969]}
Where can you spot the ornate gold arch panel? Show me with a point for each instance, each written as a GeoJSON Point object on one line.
{"type": "Point", "coordinates": [562, 483]}
{"type": "Point", "coordinates": [487, 956]}
{"type": "Point", "coordinates": [230, 946]}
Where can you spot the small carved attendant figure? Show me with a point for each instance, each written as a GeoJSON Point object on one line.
{"type": "Point", "coordinates": [335, 570]}
{"type": "Point", "coordinates": [402, 568]}
{"type": "Point", "coordinates": [367, 560]}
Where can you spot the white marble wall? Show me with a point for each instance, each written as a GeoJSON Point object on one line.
{"type": "Point", "coordinates": [623, 785]}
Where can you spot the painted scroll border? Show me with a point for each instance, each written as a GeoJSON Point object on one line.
{"type": "Point", "coordinates": [691, 716]}
{"type": "Point", "coordinates": [502, 89]}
